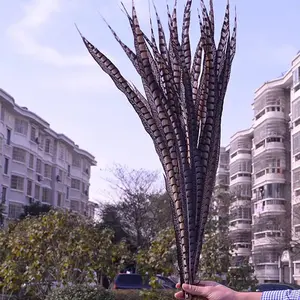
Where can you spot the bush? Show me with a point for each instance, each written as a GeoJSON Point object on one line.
{"type": "Point", "coordinates": [80, 292]}
{"type": "Point", "coordinates": [84, 292]}
{"type": "Point", "coordinates": [144, 295]}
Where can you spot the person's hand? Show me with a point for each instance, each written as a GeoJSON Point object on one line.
{"type": "Point", "coordinates": [208, 289]}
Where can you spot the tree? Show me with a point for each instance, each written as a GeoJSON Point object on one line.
{"type": "Point", "coordinates": [2, 212]}
{"type": "Point", "coordinates": [35, 209]}
{"type": "Point", "coordinates": [241, 278]}
{"type": "Point", "coordinates": [59, 246]}
{"type": "Point", "coordinates": [110, 218]}
{"type": "Point", "coordinates": [161, 255]}
{"type": "Point", "coordinates": [141, 207]}
{"type": "Point", "coordinates": [215, 255]}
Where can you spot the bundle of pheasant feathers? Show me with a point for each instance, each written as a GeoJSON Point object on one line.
{"type": "Point", "coordinates": [181, 109]}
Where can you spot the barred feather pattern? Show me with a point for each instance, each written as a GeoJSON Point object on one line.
{"type": "Point", "coordinates": [181, 110]}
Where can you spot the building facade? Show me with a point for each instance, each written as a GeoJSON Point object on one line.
{"type": "Point", "coordinates": [271, 177]}
{"type": "Point", "coordinates": [38, 164]}
{"type": "Point", "coordinates": [240, 167]}
{"type": "Point", "coordinates": [264, 179]}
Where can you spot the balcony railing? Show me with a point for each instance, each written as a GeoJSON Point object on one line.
{"type": "Point", "coordinates": [240, 224]}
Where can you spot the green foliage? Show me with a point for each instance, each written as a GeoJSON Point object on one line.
{"type": "Point", "coordinates": [161, 255]}
{"type": "Point", "coordinates": [143, 295]}
{"type": "Point", "coordinates": [80, 292]}
{"type": "Point", "coordinates": [241, 278]}
{"type": "Point", "coordinates": [85, 292]}
{"type": "Point", "coordinates": [2, 211]}
{"type": "Point", "coordinates": [215, 255]}
{"type": "Point", "coordinates": [58, 246]}
{"type": "Point", "coordinates": [35, 209]}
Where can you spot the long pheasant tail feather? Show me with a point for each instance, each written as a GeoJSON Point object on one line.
{"type": "Point", "coordinates": [185, 43]}
{"type": "Point", "coordinates": [181, 111]}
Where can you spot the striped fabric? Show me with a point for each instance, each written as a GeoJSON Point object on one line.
{"type": "Point", "coordinates": [281, 295]}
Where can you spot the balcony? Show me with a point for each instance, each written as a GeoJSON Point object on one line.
{"type": "Point", "coordinates": [269, 206]}
{"type": "Point", "coordinates": [268, 238]}
{"type": "Point", "coordinates": [241, 154]}
{"type": "Point", "coordinates": [269, 146]}
{"type": "Point", "coordinates": [241, 249]}
{"type": "Point", "coordinates": [267, 115]}
{"type": "Point", "coordinates": [267, 272]}
{"type": "Point", "coordinates": [240, 225]}
{"type": "Point", "coordinates": [269, 174]}
{"type": "Point", "coordinates": [240, 177]}
{"type": "Point", "coordinates": [240, 203]}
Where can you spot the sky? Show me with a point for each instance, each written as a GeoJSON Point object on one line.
{"type": "Point", "coordinates": [45, 67]}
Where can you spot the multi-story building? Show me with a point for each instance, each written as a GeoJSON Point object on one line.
{"type": "Point", "coordinates": [240, 167]}
{"type": "Point", "coordinates": [271, 177]}
{"type": "Point", "coordinates": [38, 164]}
{"type": "Point", "coordinates": [295, 164]}
{"type": "Point", "coordinates": [267, 179]}
{"type": "Point", "coordinates": [222, 176]}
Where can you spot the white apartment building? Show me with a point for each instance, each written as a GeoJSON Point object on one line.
{"type": "Point", "coordinates": [38, 164]}
{"type": "Point", "coordinates": [271, 178]}
{"type": "Point", "coordinates": [240, 167]}
{"type": "Point", "coordinates": [271, 187]}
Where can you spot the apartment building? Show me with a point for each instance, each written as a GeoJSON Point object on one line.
{"type": "Point", "coordinates": [240, 169]}
{"type": "Point", "coordinates": [38, 164]}
{"type": "Point", "coordinates": [271, 177]}
{"type": "Point", "coordinates": [264, 175]}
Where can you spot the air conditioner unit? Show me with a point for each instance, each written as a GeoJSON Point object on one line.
{"type": "Point", "coordinates": [39, 178]}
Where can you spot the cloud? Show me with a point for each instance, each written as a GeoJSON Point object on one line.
{"type": "Point", "coordinates": [36, 14]}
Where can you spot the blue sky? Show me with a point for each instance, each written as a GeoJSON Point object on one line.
{"type": "Point", "coordinates": [46, 68]}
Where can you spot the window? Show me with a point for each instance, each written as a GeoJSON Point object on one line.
{"type": "Point", "coordinates": [8, 136]}
{"type": "Point", "coordinates": [48, 146]}
{"type": "Point", "coordinates": [296, 76]}
{"type": "Point", "coordinates": [46, 196]}
{"type": "Point", "coordinates": [69, 170]}
{"type": "Point", "coordinates": [61, 152]}
{"type": "Point", "coordinates": [60, 173]}
{"type": "Point", "coordinates": [37, 189]}
{"type": "Point", "coordinates": [6, 163]}
{"type": "Point", "coordinates": [41, 141]}
{"type": "Point", "coordinates": [83, 187]}
{"type": "Point", "coordinates": [74, 205]}
{"type": "Point", "coordinates": [19, 155]}
{"type": "Point", "coordinates": [3, 194]}
{"type": "Point", "coordinates": [29, 187]}
{"type": "Point", "coordinates": [75, 184]}
{"type": "Point", "coordinates": [67, 193]}
{"type": "Point", "coordinates": [17, 183]}
{"type": "Point", "coordinates": [31, 161]}
{"type": "Point", "coordinates": [39, 166]}
{"type": "Point", "coordinates": [21, 126]}
{"type": "Point", "coordinates": [15, 210]}
{"type": "Point", "coordinates": [2, 115]}
{"type": "Point", "coordinates": [59, 199]}
{"type": "Point", "coordinates": [47, 171]}
{"type": "Point", "coordinates": [76, 160]}
{"type": "Point", "coordinates": [1, 142]}
{"type": "Point", "coordinates": [33, 134]}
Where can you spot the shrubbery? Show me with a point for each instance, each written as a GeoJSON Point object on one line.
{"type": "Point", "coordinates": [80, 292]}
{"type": "Point", "coordinates": [86, 292]}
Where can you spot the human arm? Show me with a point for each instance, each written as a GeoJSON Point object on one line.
{"type": "Point", "coordinates": [214, 291]}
